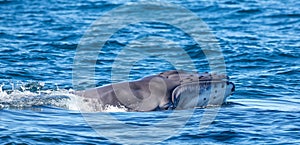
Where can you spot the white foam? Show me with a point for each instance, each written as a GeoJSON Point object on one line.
{"type": "Point", "coordinates": [87, 105]}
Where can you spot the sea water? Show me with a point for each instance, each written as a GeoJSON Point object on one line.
{"type": "Point", "coordinates": [259, 40]}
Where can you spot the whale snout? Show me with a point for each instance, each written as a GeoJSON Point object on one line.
{"type": "Point", "coordinates": [231, 85]}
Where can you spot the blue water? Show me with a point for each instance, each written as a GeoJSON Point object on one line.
{"type": "Point", "coordinates": [259, 40]}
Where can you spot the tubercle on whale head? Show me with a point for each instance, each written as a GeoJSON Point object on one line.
{"type": "Point", "coordinates": [182, 77]}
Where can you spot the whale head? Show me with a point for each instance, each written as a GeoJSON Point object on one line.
{"type": "Point", "coordinates": [192, 90]}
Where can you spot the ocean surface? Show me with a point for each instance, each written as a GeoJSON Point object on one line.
{"type": "Point", "coordinates": [259, 41]}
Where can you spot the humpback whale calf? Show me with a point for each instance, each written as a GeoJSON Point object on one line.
{"type": "Point", "coordinates": [165, 91]}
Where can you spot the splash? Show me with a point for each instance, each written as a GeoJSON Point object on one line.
{"type": "Point", "coordinates": [31, 94]}
{"type": "Point", "coordinates": [21, 99]}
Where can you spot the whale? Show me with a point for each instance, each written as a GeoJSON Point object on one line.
{"type": "Point", "coordinates": [170, 90]}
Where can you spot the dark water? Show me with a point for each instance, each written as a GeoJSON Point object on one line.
{"type": "Point", "coordinates": [260, 43]}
